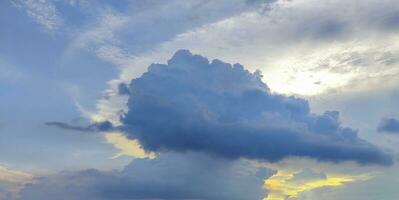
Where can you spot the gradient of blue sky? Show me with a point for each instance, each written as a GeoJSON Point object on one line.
{"type": "Point", "coordinates": [62, 60]}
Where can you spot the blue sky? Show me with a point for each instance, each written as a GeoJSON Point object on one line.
{"type": "Point", "coordinates": [311, 110]}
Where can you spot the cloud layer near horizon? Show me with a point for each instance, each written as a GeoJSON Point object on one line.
{"type": "Point", "coordinates": [190, 104]}
{"type": "Point", "coordinates": [169, 176]}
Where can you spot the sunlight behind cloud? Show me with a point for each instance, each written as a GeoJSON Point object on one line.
{"type": "Point", "coordinates": [282, 185]}
{"type": "Point", "coordinates": [126, 147]}
{"type": "Point", "coordinates": [354, 66]}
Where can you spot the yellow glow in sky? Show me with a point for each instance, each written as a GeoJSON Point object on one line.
{"type": "Point", "coordinates": [127, 147]}
{"type": "Point", "coordinates": [281, 186]}
{"type": "Point", "coordinates": [14, 176]}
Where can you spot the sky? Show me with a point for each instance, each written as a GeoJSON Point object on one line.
{"type": "Point", "coordinates": [199, 99]}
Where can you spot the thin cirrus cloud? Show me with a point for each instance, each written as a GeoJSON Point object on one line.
{"type": "Point", "coordinates": [190, 104]}
{"type": "Point", "coordinates": [44, 13]}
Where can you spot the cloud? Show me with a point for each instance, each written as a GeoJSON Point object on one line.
{"type": "Point", "coordinates": [190, 104]}
{"type": "Point", "coordinates": [126, 147]}
{"type": "Point", "coordinates": [303, 45]}
{"type": "Point", "coordinates": [42, 11]}
{"type": "Point", "coordinates": [290, 39]}
{"type": "Point", "coordinates": [121, 36]}
{"type": "Point", "coordinates": [99, 126]}
{"type": "Point", "coordinates": [169, 177]}
{"type": "Point", "coordinates": [123, 89]}
{"type": "Point", "coordinates": [147, 24]}
{"type": "Point", "coordinates": [15, 176]}
{"type": "Point", "coordinates": [286, 185]}
{"type": "Point", "coordinates": [389, 125]}
{"type": "Point", "coordinates": [12, 181]}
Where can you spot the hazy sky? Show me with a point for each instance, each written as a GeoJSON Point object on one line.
{"type": "Point", "coordinates": [199, 99]}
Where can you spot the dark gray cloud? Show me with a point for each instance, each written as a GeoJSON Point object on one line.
{"type": "Point", "coordinates": [100, 126]}
{"type": "Point", "coordinates": [123, 89]}
{"type": "Point", "coordinates": [169, 177]}
{"type": "Point", "coordinates": [389, 125]}
{"type": "Point", "coordinates": [190, 104]}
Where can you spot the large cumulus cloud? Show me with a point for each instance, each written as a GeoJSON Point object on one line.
{"type": "Point", "coordinates": [170, 177]}
{"type": "Point", "coordinates": [190, 104]}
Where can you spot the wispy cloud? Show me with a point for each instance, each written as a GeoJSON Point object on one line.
{"type": "Point", "coordinates": [101, 31]}
{"type": "Point", "coordinates": [42, 11]}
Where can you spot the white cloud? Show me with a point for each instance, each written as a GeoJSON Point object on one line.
{"type": "Point", "coordinates": [42, 11]}
{"type": "Point", "coordinates": [101, 31]}
{"type": "Point", "coordinates": [115, 55]}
